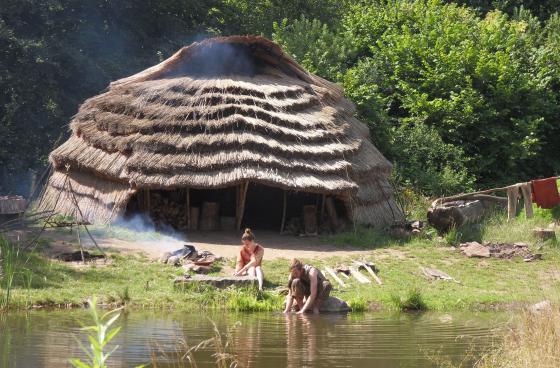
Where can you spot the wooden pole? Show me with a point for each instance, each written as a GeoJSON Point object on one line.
{"type": "Point", "coordinates": [322, 209]}
{"type": "Point", "coordinates": [512, 196]}
{"type": "Point", "coordinates": [284, 205]}
{"type": "Point", "coordinates": [188, 208]}
{"type": "Point", "coordinates": [370, 271]}
{"type": "Point", "coordinates": [527, 199]}
{"type": "Point", "coordinates": [241, 203]}
{"type": "Point", "coordinates": [331, 272]}
{"type": "Point", "coordinates": [361, 278]}
{"type": "Point", "coordinates": [147, 200]}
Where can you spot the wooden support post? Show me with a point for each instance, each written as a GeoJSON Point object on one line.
{"type": "Point", "coordinates": [284, 205]}
{"type": "Point", "coordinates": [322, 215]}
{"type": "Point", "coordinates": [331, 272]}
{"type": "Point", "coordinates": [147, 200]}
{"type": "Point", "coordinates": [241, 203]}
{"type": "Point", "coordinates": [513, 196]}
{"type": "Point", "coordinates": [331, 212]}
{"type": "Point", "coordinates": [188, 205]}
{"type": "Point", "coordinates": [527, 199]}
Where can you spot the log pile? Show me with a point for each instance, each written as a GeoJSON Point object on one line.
{"type": "Point", "coordinates": [164, 211]}
{"type": "Point", "coordinates": [11, 205]}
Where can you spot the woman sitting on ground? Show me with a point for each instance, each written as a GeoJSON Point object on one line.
{"type": "Point", "coordinates": [250, 258]}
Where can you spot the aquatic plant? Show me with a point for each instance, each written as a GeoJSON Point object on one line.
{"type": "Point", "coordinates": [100, 334]}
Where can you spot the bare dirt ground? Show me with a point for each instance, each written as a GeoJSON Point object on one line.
{"type": "Point", "coordinates": [223, 243]}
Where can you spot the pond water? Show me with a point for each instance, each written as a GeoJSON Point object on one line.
{"type": "Point", "coordinates": [47, 338]}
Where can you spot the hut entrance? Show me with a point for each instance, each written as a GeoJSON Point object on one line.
{"type": "Point", "coordinates": [246, 205]}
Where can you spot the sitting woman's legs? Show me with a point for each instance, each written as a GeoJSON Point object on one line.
{"type": "Point", "coordinates": [257, 272]}
{"type": "Point", "coordinates": [260, 276]}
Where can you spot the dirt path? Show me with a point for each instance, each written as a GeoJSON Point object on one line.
{"type": "Point", "coordinates": [223, 243]}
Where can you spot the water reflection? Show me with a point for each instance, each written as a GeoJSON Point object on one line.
{"type": "Point", "coordinates": [46, 339]}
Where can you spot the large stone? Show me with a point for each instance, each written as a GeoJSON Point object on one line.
{"type": "Point", "coordinates": [475, 249]}
{"type": "Point", "coordinates": [334, 305]}
{"type": "Point", "coordinates": [219, 282]}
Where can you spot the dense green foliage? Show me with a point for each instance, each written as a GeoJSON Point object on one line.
{"type": "Point", "coordinates": [455, 96]}
{"type": "Point", "coordinates": [451, 98]}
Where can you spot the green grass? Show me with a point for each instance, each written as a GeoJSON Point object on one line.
{"type": "Point", "coordinates": [413, 301]}
{"type": "Point", "coordinates": [137, 282]}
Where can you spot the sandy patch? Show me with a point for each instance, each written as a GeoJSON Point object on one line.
{"type": "Point", "coordinates": [222, 243]}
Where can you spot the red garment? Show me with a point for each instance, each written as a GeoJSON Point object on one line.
{"type": "Point", "coordinates": [545, 192]}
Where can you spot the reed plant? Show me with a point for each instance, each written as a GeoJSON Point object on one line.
{"type": "Point", "coordinates": [8, 268]}
{"type": "Point", "coordinates": [533, 341]}
{"type": "Point", "coordinates": [183, 355]}
{"type": "Point", "coordinates": [99, 336]}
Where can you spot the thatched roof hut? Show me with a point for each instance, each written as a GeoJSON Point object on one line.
{"type": "Point", "coordinates": [219, 113]}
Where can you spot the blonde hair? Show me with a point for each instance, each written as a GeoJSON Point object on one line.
{"type": "Point", "coordinates": [248, 235]}
{"type": "Point", "coordinates": [296, 264]}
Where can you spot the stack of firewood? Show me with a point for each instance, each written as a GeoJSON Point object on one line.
{"type": "Point", "coordinates": [167, 212]}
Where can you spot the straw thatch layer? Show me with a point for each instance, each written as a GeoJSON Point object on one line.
{"type": "Point", "coordinates": [85, 196]}
{"type": "Point", "coordinates": [218, 113]}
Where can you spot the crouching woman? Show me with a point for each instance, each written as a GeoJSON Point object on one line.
{"type": "Point", "coordinates": [250, 257]}
{"type": "Point", "coordinates": [307, 286]}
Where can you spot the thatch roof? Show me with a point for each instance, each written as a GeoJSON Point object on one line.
{"type": "Point", "coordinates": [215, 114]}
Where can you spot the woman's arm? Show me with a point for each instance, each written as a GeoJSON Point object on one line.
{"type": "Point", "coordinates": [313, 291]}
{"type": "Point", "coordinates": [289, 301]}
{"type": "Point", "coordinates": [239, 264]}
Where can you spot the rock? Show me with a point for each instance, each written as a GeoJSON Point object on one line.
{"type": "Point", "coordinates": [434, 274]}
{"type": "Point", "coordinates": [475, 249]}
{"type": "Point", "coordinates": [174, 260]}
{"type": "Point", "coordinates": [164, 257]}
{"type": "Point", "coordinates": [544, 234]}
{"type": "Point", "coordinates": [334, 305]}
{"type": "Point", "coordinates": [219, 282]}
{"type": "Point", "coordinates": [544, 306]}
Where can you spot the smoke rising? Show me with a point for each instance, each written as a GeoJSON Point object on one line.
{"type": "Point", "coordinates": [144, 227]}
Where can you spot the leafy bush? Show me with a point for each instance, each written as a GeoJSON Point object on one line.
{"type": "Point", "coordinates": [454, 100]}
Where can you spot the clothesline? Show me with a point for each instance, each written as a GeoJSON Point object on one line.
{"type": "Point", "coordinates": [486, 191]}
{"type": "Point", "coordinates": [544, 192]}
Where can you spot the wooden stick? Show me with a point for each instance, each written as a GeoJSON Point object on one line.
{"type": "Point", "coordinates": [188, 208]}
{"type": "Point", "coordinates": [527, 199]}
{"type": "Point", "coordinates": [371, 271]}
{"type": "Point", "coordinates": [331, 272]}
{"type": "Point", "coordinates": [284, 205]}
{"type": "Point", "coordinates": [361, 278]}
{"type": "Point", "coordinates": [345, 275]}
{"type": "Point", "coordinates": [241, 203]}
{"type": "Point", "coordinates": [80, 244]}
{"type": "Point", "coordinates": [322, 209]}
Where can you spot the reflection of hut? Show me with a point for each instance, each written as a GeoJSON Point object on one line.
{"type": "Point", "coordinates": [230, 126]}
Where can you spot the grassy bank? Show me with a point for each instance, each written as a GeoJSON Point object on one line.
{"type": "Point", "coordinates": [141, 283]}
